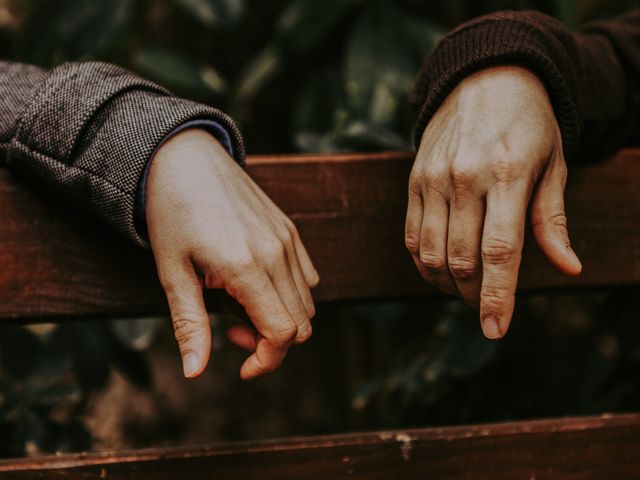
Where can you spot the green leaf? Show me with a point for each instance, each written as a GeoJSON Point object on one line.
{"type": "Point", "coordinates": [306, 23]}
{"type": "Point", "coordinates": [383, 56]}
{"type": "Point", "coordinates": [70, 29]}
{"type": "Point", "coordinates": [262, 68]}
{"type": "Point", "coordinates": [179, 74]}
{"type": "Point", "coordinates": [213, 13]}
{"type": "Point", "coordinates": [368, 109]}
{"type": "Point", "coordinates": [302, 26]}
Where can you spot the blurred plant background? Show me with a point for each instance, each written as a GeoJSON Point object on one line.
{"type": "Point", "coordinates": [311, 76]}
{"type": "Point", "coordinates": [299, 75]}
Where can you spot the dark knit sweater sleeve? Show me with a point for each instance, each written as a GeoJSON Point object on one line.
{"type": "Point", "coordinates": [592, 75]}
{"type": "Point", "coordinates": [87, 130]}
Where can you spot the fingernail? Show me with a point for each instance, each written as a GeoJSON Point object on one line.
{"type": "Point", "coordinates": [189, 364]}
{"type": "Point", "coordinates": [575, 265]}
{"type": "Point", "coordinates": [490, 327]}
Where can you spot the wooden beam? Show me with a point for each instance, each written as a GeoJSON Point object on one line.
{"type": "Point", "coordinates": [350, 212]}
{"type": "Point", "coordinates": [591, 448]}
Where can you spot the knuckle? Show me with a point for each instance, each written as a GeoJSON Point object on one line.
{"type": "Point", "coordinates": [285, 236]}
{"type": "Point", "coordinates": [497, 250]}
{"type": "Point", "coordinates": [463, 177]}
{"type": "Point", "coordinates": [504, 170]}
{"type": "Point", "coordinates": [433, 262]}
{"type": "Point", "coordinates": [558, 220]}
{"type": "Point", "coordinates": [414, 183]}
{"type": "Point", "coordinates": [412, 242]}
{"type": "Point", "coordinates": [239, 263]}
{"type": "Point", "coordinates": [304, 333]}
{"type": "Point", "coordinates": [462, 268]}
{"type": "Point", "coordinates": [435, 180]}
{"type": "Point", "coordinates": [285, 334]}
{"type": "Point", "coordinates": [201, 251]}
{"type": "Point", "coordinates": [542, 220]}
{"type": "Point", "coordinates": [167, 283]}
{"type": "Point", "coordinates": [310, 309]}
{"type": "Point", "coordinates": [493, 299]}
{"type": "Point", "coordinates": [173, 288]}
{"type": "Point", "coordinates": [185, 327]}
{"type": "Point", "coordinates": [273, 250]}
{"type": "Point", "coordinates": [263, 368]}
{"type": "Point", "coordinates": [291, 228]}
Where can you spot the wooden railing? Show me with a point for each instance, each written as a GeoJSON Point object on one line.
{"type": "Point", "coordinates": [350, 212]}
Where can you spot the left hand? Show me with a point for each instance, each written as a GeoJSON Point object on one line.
{"type": "Point", "coordinates": [491, 151]}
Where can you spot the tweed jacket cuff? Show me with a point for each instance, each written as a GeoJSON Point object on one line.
{"type": "Point", "coordinates": [90, 129]}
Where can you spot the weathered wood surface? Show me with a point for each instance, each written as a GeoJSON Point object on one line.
{"type": "Point", "coordinates": [350, 212]}
{"type": "Point", "coordinates": [569, 449]}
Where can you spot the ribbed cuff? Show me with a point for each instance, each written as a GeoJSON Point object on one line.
{"type": "Point", "coordinates": [106, 168]}
{"type": "Point", "coordinates": [498, 40]}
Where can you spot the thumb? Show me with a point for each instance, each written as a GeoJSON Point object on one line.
{"type": "Point", "coordinates": [550, 222]}
{"type": "Point", "coordinates": [190, 320]}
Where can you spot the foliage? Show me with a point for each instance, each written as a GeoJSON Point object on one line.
{"type": "Point", "coordinates": [323, 74]}
{"type": "Point", "coordinates": [439, 370]}
{"type": "Point", "coordinates": [47, 373]}
{"type": "Point", "coordinates": [305, 75]}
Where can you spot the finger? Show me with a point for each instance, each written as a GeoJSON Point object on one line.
{"type": "Point", "coordinates": [311, 276]}
{"type": "Point", "coordinates": [550, 222]}
{"type": "Point", "coordinates": [257, 293]}
{"type": "Point", "coordinates": [412, 226]}
{"type": "Point", "coordinates": [413, 222]}
{"type": "Point", "coordinates": [190, 319]}
{"type": "Point", "coordinates": [466, 220]}
{"type": "Point", "coordinates": [304, 329]}
{"type": "Point", "coordinates": [246, 338]}
{"type": "Point", "coordinates": [243, 336]}
{"type": "Point", "coordinates": [299, 261]}
{"type": "Point", "coordinates": [433, 242]}
{"type": "Point", "coordinates": [291, 292]}
{"type": "Point", "coordinates": [258, 363]}
{"type": "Point", "coordinates": [502, 242]}
{"type": "Point", "coordinates": [310, 273]}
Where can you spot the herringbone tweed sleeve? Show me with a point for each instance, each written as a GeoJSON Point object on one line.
{"type": "Point", "coordinates": [86, 131]}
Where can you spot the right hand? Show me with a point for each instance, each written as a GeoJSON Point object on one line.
{"type": "Point", "coordinates": [210, 226]}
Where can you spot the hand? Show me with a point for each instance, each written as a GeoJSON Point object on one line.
{"type": "Point", "coordinates": [492, 150]}
{"type": "Point", "coordinates": [210, 226]}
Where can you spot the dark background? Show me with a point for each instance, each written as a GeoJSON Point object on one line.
{"type": "Point", "coordinates": [299, 75]}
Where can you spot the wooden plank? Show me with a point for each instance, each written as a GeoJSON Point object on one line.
{"type": "Point", "coordinates": [350, 212]}
{"type": "Point", "coordinates": [567, 449]}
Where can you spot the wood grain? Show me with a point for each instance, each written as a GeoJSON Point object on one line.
{"type": "Point", "coordinates": [569, 449]}
{"type": "Point", "coordinates": [350, 212]}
